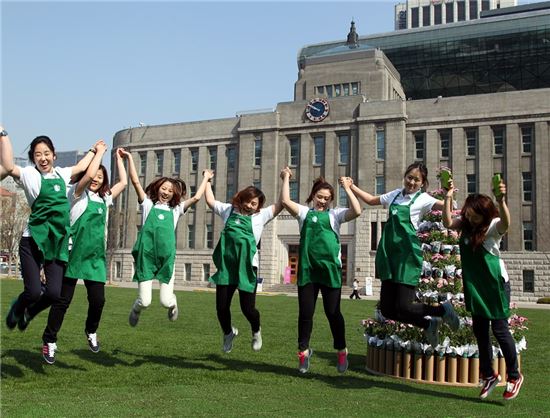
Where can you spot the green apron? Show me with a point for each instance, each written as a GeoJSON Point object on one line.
{"type": "Point", "coordinates": [155, 249]}
{"type": "Point", "coordinates": [234, 254]}
{"type": "Point", "coordinates": [484, 292]}
{"type": "Point", "coordinates": [87, 257]}
{"type": "Point", "coordinates": [49, 220]}
{"type": "Point", "coordinates": [399, 254]}
{"type": "Point", "coordinates": [319, 260]}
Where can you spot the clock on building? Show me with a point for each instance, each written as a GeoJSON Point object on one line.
{"type": "Point", "coordinates": [317, 109]}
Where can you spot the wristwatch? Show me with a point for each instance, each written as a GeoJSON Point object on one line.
{"type": "Point", "coordinates": [3, 133]}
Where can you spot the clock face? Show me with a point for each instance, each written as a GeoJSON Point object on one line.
{"type": "Point", "coordinates": [317, 109]}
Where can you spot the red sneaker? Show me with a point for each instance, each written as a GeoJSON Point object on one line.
{"type": "Point", "coordinates": [512, 388]}
{"type": "Point", "coordinates": [487, 385]}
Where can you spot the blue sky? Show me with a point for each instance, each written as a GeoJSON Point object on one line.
{"type": "Point", "coordinates": [78, 71]}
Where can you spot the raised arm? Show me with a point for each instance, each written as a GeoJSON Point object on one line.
{"type": "Point", "coordinates": [278, 205]}
{"type": "Point", "coordinates": [6, 156]}
{"type": "Point", "coordinates": [207, 175]}
{"type": "Point", "coordinates": [504, 213]}
{"type": "Point", "coordinates": [122, 175]}
{"type": "Point", "coordinates": [91, 171]}
{"type": "Point", "coordinates": [209, 196]}
{"type": "Point", "coordinates": [288, 204]}
{"type": "Point", "coordinates": [354, 205]}
{"type": "Point", "coordinates": [83, 164]}
{"type": "Point", "coordinates": [447, 208]}
{"type": "Point", "coordinates": [134, 176]}
{"type": "Point", "coordinates": [368, 198]}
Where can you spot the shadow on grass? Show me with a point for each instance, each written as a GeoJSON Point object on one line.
{"type": "Point", "coordinates": [31, 360]}
{"type": "Point", "coordinates": [141, 359]}
{"type": "Point", "coordinates": [343, 381]}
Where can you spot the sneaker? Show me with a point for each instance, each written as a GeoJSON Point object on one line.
{"type": "Point", "coordinates": [11, 318]}
{"type": "Point", "coordinates": [512, 388]}
{"type": "Point", "coordinates": [257, 340]}
{"type": "Point", "coordinates": [134, 317]}
{"type": "Point", "coordinates": [450, 317]}
{"type": "Point", "coordinates": [173, 313]}
{"type": "Point", "coordinates": [432, 332]}
{"type": "Point", "coordinates": [48, 352]}
{"type": "Point", "coordinates": [228, 340]}
{"type": "Point", "coordinates": [487, 385]}
{"type": "Point", "coordinates": [93, 343]}
{"type": "Point", "coordinates": [24, 320]}
{"type": "Point", "coordinates": [304, 360]}
{"type": "Point", "coordinates": [342, 362]}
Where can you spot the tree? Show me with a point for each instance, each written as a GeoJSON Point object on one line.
{"type": "Point", "coordinates": [15, 212]}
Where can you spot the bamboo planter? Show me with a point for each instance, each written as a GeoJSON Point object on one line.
{"type": "Point", "coordinates": [433, 369]}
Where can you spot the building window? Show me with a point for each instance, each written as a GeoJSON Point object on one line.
{"type": "Point", "coordinates": [160, 161]}
{"type": "Point", "coordinates": [194, 159]}
{"type": "Point", "coordinates": [294, 191]}
{"type": "Point", "coordinates": [498, 140]}
{"type": "Point", "coordinates": [191, 236]}
{"type": "Point", "coordinates": [142, 163]}
{"type": "Point", "coordinates": [343, 148]}
{"type": "Point", "coordinates": [379, 187]}
{"type": "Point", "coordinates": [188, 271]}
{"type": "Point", "coordinates": [373, 236]}
{"type": "Point", "coordinates": [320, 89]}
{"type": "Point", "coordinates": [380, 142]}
{"type": "Point", "coordinates": [437, 14]}
{"type": "Point", "coordinates": [258, 151]}
{"type": "Point", "coordinates": [471, 142]}
{"type": "Point", "coordinates": [191, 190]}
{"type": "Point", "coordinates": [342, 197]}
{"type": "Point", "coordinates": [121, 235]}
{"type": "Point", "coordinates": [528, 244]}
{"type": "Point", "coordinates": [527, 180]}
{"type": "Point", "coordinates": [445, 144]}
{"type": "Point", "coordinates": [471, 183]}
{"type": "Point", "coordinates": [526, 138]}
{"type": "Point", "coordinates": [209, 236]}
{"type": "Point", "coordinates": [212, 157]}
{"type": "Point", "coordinates": [354, 89]}
{"type": "Point", "coordinates": [473, 9]}
{"type": "Point", "coordinates": [176, 161]}
{"type": "Point", "coordinates": [529, 281]}
{"type": "Point", "coordinates": [461, 6]}
{"type": "Point", "coordinates": [425, 15]}
{"type": "Point", "coordinates": [419, 144]}
{"type": "Point", "coordinates": [257, 184]}
{"type": "Point", "coordinates": [338, 90]}
{"type": "Point", "coordinates": [294, 152]}
{"type": "Point", "coordinates": [118, 270]}
{"type": "Point", "coordinates": [230, 192]}
{"type": "Point", "coordinates": [414, 17]}
{"type": "Point", "coordinates": [329, 91]}
{"type": "Point", "coordinates": [319, 150]}
{"type": "Point", "coordinates": [449, 15]}
{"type": "Point", "coordinates": [346, 89]}
{"type": "Point", "coordinates": [205, 272]}
{"type": "Point", "coordinates": [231, 158]}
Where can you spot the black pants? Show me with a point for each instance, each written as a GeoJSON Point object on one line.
{"type": "Point", "coordinates": [397, 302]}
{"type": "Point", "coordinates": [354, 294]}
{"type": "Point", "coordinates": [33, 298]}
{"type": "Point", "coordinates": [224, 295]}
{"type": "Point", "coordinates": [307, 298]}
{"type": "Point", "coordinates": [504, 338]}
{"type": "Point", "coordinates": [96, 301]}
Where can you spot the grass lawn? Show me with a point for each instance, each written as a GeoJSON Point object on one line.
{"type": "Point", "coordinates": [162, 368]}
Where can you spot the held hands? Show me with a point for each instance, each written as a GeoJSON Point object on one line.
{"type": "Point", "coordinates": [122, 153]}
{"type": "Point", "coordinates": [286, 172]}
{"type": "Point", "coordinates": [208, 174]}
{"type": "Point", "coordinates": [100, 146]}
{"type": "Point", "coordinates": [345, 182]}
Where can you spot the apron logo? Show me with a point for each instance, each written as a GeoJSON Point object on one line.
{"type": "Point", "coordinates": [237, 221]}
{"type": "Point", "coordinates": [394, 211]}
{"type": "Point", "coordinates": [100, 210]}
{"type": "Point", "coordinates": [314, 219]}
{"type": "Point", "coordinates": [161, 216]}
{"type": "Point", "coordinates": [56, 187]}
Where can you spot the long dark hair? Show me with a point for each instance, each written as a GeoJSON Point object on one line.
{"type": "Point", "coordinates": [318, 184]}
{"type": "Point", "coordinates": [423, 172]}
{"type": "Point", "coordinates": [482, 205]}
{"type": "Point", "coordinates": [42, 139]}
{"type": "Point", "coordinates": [246, 195]}
{"type": "Point", "coordinates": [180, 190]}
{"type": "Point", "coordinates": [104, 189]}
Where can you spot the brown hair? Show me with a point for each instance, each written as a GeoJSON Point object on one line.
{"type": "Point", "coordinates": [482, 205]}
{"type": "Point", "coordinates": [180, 190]}
{"type": "Point", "coordinates": [318, 184]}
{"type": "Point", "coordinates": [246, 195]}
{"type": "Point", "coordinates": [423, 172]}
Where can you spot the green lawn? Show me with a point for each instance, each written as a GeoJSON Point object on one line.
{"type": "Point", "coordinates": [162, 368]}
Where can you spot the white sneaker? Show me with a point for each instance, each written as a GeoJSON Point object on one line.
{"type": "Point", "coordinates": [173, 313]}
{"type": "Point", "coordinates": [93, 343]}
{"type": "Point", "coordinates": [228, 340]}
{"type": "Point", "coordinates": [257, 340]}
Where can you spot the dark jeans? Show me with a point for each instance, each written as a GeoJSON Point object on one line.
{"type": "Point", "coordinates": [397, 302]}
{"type": "Point", "coordinates": [96, 301]}
{"type": "Point", "coordinates": [504, 338]}
{"type": "Point", "coordinates": [307, 298]}
{"type": "Point", "coordinates": [33, 298]}
{"type": "Point", "coordinates": [224, 295]}
{"type": "Point", "coordinates": [354, 294]}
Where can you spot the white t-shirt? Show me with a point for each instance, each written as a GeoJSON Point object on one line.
{"type": "Point", "coordinates": [148, 204]}
{"type": "Point", "coordinates": [31, 181]}
{"type": "Point", "coordinates": [492, 245]}
{"type": "Point", "coordinates": [336, 216]}
{"type": "Point", "coordinates": [422, 205]}
{"type": "Point", "coordinates": [259, 220]}
{"type": "Point", "coordinates": [79, 204]}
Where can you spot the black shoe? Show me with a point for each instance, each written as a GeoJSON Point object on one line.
{"type": "Point", "coordinates": [24, 320]}
{"type": "Point", "coordinates": [11, 318]}
{"type": "Point", "coordinates": [93, 343]}
{"type": "Point", "coordinates": [48, 352]}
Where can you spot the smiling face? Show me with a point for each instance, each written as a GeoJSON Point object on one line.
{"type": "Point", "coordinates": [97, 181]}
{"type": "Point", "coordinates": [322, 199]}
{"type": "Point", "coordinates": [166, 192]}
{"type": "Point", "coordinates": [250, 207]}
{"type": "Point", "coordinates": [43, 158]}
{"type": "Point", "coordinates": [413, 181]}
